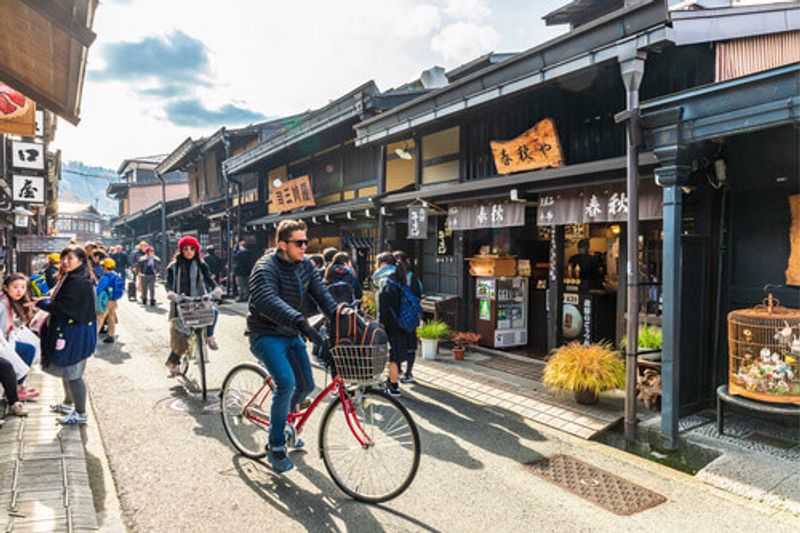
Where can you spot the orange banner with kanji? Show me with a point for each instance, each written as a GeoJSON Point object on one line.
{"type": "Point", "coordinates": [293, 194]}
{"type": "Point", "coordinates": [536, 148]}
{"type": "Point", "coordinates": [17, 112]}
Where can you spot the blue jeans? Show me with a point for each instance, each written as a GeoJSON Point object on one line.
{"type": "Point", "coordinates": [287, 362]}
{"type": "Point", "coordinates": [26, 352]}
{"type": "Point", "coordinates": [210, 329]}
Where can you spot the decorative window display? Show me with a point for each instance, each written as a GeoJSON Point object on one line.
{"type": "Point", "coordinates": [764, 348]}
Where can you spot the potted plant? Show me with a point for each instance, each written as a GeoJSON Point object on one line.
{"type": "Point", "coordinates": [429, 333]}
{"type": "Point", "coordinates": [650, 340]}
{"type": "Point", "coordinates": [463, 339]}
{"type": "Point", "coordinates": [586, 371]}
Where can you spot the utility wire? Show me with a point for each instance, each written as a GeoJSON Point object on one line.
{"type": "Point", "coordinates": [96, 176]}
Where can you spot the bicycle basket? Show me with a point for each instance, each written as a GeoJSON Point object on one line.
{"type": "Point", "coordinates": [360, 365]}
{"type": "Point", "coordinates": [196, 314]}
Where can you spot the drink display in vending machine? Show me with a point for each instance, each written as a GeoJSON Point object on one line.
{"type": "Point", "coordinates": [502, 306]}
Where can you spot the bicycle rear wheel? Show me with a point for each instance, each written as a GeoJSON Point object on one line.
{"type": "Point", "coordinates": [200, 355]}
{"type": "Point", "coordinates": [384, 467]}
{"type": "Point", "coordinates": [239, 389]}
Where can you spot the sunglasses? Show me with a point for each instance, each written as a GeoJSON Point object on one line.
{"type": "Point", "coordinates": [300, 243]}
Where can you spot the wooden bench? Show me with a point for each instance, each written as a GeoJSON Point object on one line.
{"type": "Point", "coordinates": [723, 396]}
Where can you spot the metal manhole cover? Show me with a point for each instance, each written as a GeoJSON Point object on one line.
{"type": "Point", "coordinates": [190, 406]}
{"type": "Point", "coordinates": [602, 488]}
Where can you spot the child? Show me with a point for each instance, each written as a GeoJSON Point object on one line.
{"type": "Point", "coordinates": [110, 288]}
{"type": "Point", "coordinates": [15, 313]}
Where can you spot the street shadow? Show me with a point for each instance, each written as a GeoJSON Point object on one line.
{"type": "Point", "coordinates": [495, 432]}
{"type": "Point", "coordinates": [114, 353]}
{"type": "Point", "coordinates": [316, 512]}
{"type": "Point", "coordinates": [155, 310]}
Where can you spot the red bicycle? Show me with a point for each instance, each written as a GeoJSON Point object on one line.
{"type": "Point", "coordinates": [367, 439]}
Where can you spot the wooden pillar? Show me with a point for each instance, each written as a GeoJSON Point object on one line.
{"type": "Point", "coordinates": [555, 289]}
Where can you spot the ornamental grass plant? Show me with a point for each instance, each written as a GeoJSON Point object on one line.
{"type": "Point", "coordinates": [575, 367]}
{"type": "Point", "coordinates": [433, 330]}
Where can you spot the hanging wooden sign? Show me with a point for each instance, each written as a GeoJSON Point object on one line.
{"type": "Point", "coordinates": [417, 222]}
{"type": "Point", "coordinates": [536, 148]}
{"type": "Point", "coordinates": [293, 194]}
{"type": "Point", "coordinates": [793, 270]}
{"type": "Point", "coordinates": [17, 112]}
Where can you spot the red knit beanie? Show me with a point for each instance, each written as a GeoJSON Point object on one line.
{"type": "Point", "coordinates": [188, 241]}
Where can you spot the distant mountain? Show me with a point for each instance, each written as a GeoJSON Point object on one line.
{"type": "Point", "coordinates": [85, 184]}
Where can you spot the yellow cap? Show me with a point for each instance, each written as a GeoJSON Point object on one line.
{"type": "Point", "coordinates": [54, 257]}
{"type": "Point", "coordinates": [109, 263]}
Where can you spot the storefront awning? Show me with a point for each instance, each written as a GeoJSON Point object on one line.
{"type": "Point", "coordinates": [353, 208]}
{"type": "Point", "coordinates": [43, 50]}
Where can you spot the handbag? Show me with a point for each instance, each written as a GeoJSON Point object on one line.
{"type": "Point", "coordinates": [38, 321]}
{"type": "Point", "coordinates": [8, 353]}
{"type": "Point", "coordinates": [24, 334]}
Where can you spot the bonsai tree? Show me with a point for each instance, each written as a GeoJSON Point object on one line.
{"type": "Point", "coordinates": [586, 371]}
{"type": "Point", "coordinates": [463, 339]}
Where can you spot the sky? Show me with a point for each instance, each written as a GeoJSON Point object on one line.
{"type": "Point", "coordinates": [161, 71]}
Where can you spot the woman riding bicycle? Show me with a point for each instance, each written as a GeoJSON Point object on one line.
{"type": "Point", "coordinates": [279, 285]}
{"type": "Point", "coordinates": [187, 275]}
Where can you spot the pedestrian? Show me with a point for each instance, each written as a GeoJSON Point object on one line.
{"type": "Point", "coordinates": [187, 275]}
{"type": "Point", "coordinates": [242, 265]}
{"type": "Point", "coordinates": [148, 267]}
{"type": "Point", "coordinates": [415, 284]}
{"type": "Point", "coordinates": [121, 260]}
{"type": "Point", "coordinates": [51, 270]}
{"type": "Point", "coordinates": [327, 255]}
{"type": "Point", "coordinates": [15, 314]}
{"type": "Point", "coordinates": [280, 284]}
{"type": "Point", "coordinates": [8, 378]}
{"type": "Point", "coordinates": [141, 251]}
{"type": "Point", "coordinates": [69, 337]}
{"type": "Point", "coordinates": [96, 262]}
{"type": "Point", "coordinates": [342, 281]}
{"type": "Point", "coordinates": [215, 264]}
{"type": "Point", "coordinates": [110, 288]}
{"type": "Point", "coordinates": [388, 276]}
{"type": "Point", "coordinates": [319, 264]}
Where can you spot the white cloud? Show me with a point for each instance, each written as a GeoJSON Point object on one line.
{"type": "Point", "coordinates": [467, 9]}
{"type": "Point", "coordinates": [462, 41]}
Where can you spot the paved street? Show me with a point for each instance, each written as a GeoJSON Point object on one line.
{"type": "Point", "coordinates": [175, 471]}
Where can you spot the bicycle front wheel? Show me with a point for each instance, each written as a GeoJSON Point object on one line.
{"type": "Point", "coordinates": [371, 448]}
{"type": "Point", "coordinates": [246, 385]}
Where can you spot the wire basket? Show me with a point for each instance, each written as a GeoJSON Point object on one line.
{"type": "Point", "coordinates": [360, 365]}
{"type": "Point", "coordinates": [196, 313]}
{"type": "Point", "coordinates": [764, 351]}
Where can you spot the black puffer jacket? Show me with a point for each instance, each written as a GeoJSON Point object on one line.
{"type": "Point", "coordinates": [278, 292]}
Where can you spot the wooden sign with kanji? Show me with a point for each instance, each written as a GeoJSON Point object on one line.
{"type": "Point", "coordinates": [793, 270]}
{"type": "Point", "coordinates": [293, 194]}
{"type": "Point", "coordinates": [536, 148]}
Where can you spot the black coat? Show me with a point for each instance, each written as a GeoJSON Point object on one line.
{"type": "Point", "coordinates": [389, 302]}
{"type": "Point", "coordinates": [214, 263]}
{"type": "Point", "coordinates": [243, 262]}
{"type": "Point", "coordinates": [75, 300]}
{"type": "Point", "coordinates": [278, 293]}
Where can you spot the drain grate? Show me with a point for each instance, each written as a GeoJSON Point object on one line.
{"type": "Point", "coordinates": [602, 488]}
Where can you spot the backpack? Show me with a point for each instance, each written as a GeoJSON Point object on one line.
{"type": "Point", "coordinates": [117, 287]}
{"type": "Point", "coordinates": [39, 285]}
{"type": "Point", "coordinates": [350, 328]}
{"type": "Point", "coordinates": [410, 308]}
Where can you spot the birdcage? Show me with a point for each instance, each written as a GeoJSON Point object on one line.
{"type": "Point", "coordinates": [764, 349]}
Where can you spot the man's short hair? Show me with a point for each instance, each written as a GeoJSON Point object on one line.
{"type": "Point", "coordinates": [328, 254]}
{"type": "Point", "coordinates": [287, 227]}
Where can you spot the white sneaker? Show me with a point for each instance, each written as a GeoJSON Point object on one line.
{"type": "Point", "coordinates": [72, 419]}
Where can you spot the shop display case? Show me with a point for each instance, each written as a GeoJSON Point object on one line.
{"type": "Point", "coordinates": [502, 307]}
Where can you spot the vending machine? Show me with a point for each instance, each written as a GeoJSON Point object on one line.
{"type": "Point", "coordinates": [502, 307]}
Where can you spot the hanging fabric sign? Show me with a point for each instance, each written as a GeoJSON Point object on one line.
{"type": "Point", "coordinates": [417, 222]}
{"type": "Point", "coordinates": [793, 270]}
{"type": "Point", "coordinates": [500, 214]}
{"type": "Point", "coordinates": [536, 148]}
{"type": "Point", "coordinates": [607, 203]}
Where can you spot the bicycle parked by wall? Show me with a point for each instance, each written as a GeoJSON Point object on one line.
{"type": "Point", "coordinates": [367, 440]}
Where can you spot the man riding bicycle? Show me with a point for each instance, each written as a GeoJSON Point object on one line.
{"type": "Point", "coordinates": [279, 285]}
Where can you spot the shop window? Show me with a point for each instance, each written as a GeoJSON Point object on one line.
{"type": "Point", "coordinates": [326, 173]}
{"type": "Point", "coordinates": [440, 154]}
{"type": "Point", "coordinates": [400, 170]}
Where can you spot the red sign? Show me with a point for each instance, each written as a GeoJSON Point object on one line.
{"type": "Point", "coordinates": [17, 112]}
